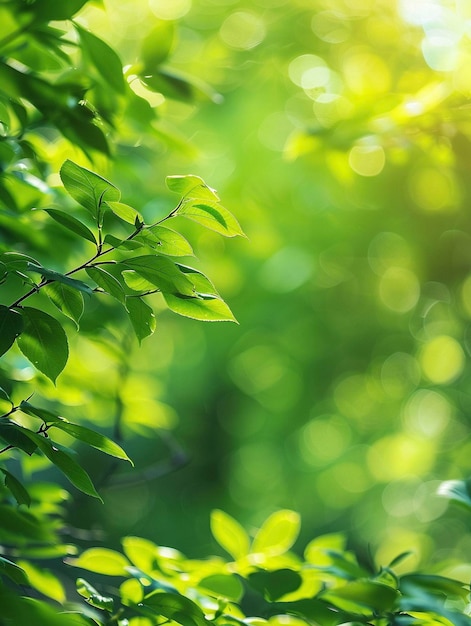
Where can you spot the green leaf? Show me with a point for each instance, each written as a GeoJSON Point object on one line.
{"type": "Point", "coordinates": [204, 307]}
{"type": "Point", "coordinates": [105, 59]}
{"type": "Point", "coordinates": [125, 244]}
{"type": "Point", "coordinates": [136, 282]}
{"type": "Point", "coordinates": [11, 325]}
{"type": "Point", "coordinates": [66, 464]}
{"type": "Point", "coordinates": [175, 607]}
{"type": "Point", "coordinates": [125, 212]}
{"type": "Point", "coordinates": [48, 417]}
{"type": "Point", "coordinates": [229, 534]}
{"type": "Point", "coordinates": [200, 281]}
{"type": "Point", "coordinates": [165, 240]}
{"type": "Point", "coordinates": [60, 278]}
{"type": "Point", "coordinates": [44, 581]}
{"type": "Point", "coordinates": [212, 216]}
{"type": "Point", "coordinates": [14, 435]}
{"type": "Point", "coordinates": [278, 533]}
{"type": "Point", "coordinates": [91, 595]}
{"type": "Point", "coordinates": [44, 342]}
{"type": "Point", "coordinates": [94, 439]}
{"type": "Point", "coordinates": [157, 45]}
{"type": "Point", "coordinates": [107, 282]}
{"type": "Point", "coordinates": [275, 584]}
{"type": "Point", "coordinates": [362, 596]}
{"type": "Point", "coordinates": [161, 272]}
{"type": "Point", "coordinates": [102, 561]}
{"type": "Point", "coordinates": [13, 571]}
{"type": "Point", "coordinates": [180, 86]}
{"type": "Point", "coordinates": [68, 300]}
{"type": "Point", "coordinates": [89, 189]}
{"type": "Point", "coordinates": [142, 317]}
{"type": "Point", "coordinates": [16, 488]}
{"type": "Point", "coordinates": [225, 585]}
{"type": "Point", "coordinates": [52, 10]}
{"type": "Point", "coordinates": [142, 552]}
{"type": "Point", "coordinates": [20, 523]}
{"type": "Point", "coordinates": [458, 491]}
{"type": "Point", "coordinates": [191, 187]}
{"type": "Point", "coordinates": [72, 224]}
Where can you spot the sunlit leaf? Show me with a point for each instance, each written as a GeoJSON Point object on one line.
{"type": "Point", "coordinates": [223, 585]}
{"type": "Point", "coordinates": [102, 561]}
{"type": "Point", "coordinates": [229, 534]}
{"type": "Point", "coordinates": [11, 325]}
{"type": "Point", "coordinates": [212, 216]}
{"type": "Point", "coordinates": [191, 187]}
{"type": "Point", "coordinates": [165, 241]}
{"type": "Point", "coordinates": [142, 317]}
{"type": "Point", "coordinates": [142, 552]}
{"type": "Point", "coordinates": [156, 46]}
{"type": "Point", "coordinates": [105, 59]}
{"type": "Point", "coordinates": [161, 272]}
{"type": "Point", "coordinates": [125, 212]}
{"type": "Point", "coordinates": [68, 300]}
{"type": "Point", "coordinates": [43, 581]}
{"type": "Point", "coordinates": [107, 282]}
{"type": "Point", "coordinates": [44, 342]}
{"type": "Point", "coordinates": [87, 188]}
{"type": "Point", "coordinates": [94, 439]}
{"type": "Point", "coordinates": [93, 597]}
{"type": "Point", "coordinates": [278, 533]}
{"type": "Point", "coordinates": [204, 307]}
{"type": "Point", "coordinates": [364, 594]}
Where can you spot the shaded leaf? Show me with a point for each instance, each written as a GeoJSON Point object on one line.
{"type": "Point", "coordinates": [20, 523]}
{"type": "Point", "coordinates": [179, 86]}
{"type": "Point", "coordinates": [142, 317]}
{"type": "Point", "coordinates": [229, 534]}
{"type": "Point", "coordinates": [60, 278]}
{"type": "Point", "coordinates": [175, 607]}
{"type": "Point", "coordinates": [16, 488]}
{"type": "Point", "coordinates": [275, 584]}
{"type": "Point", "coordinates": [94, 439]}
{"type": "Point", "coordinates": [14, 435]}
{"type": "Point", "coordinates": [107, 282]}
{"type": "Point", "coordinates": [52, 10]}
{"type": "Point", "coordinates": [48, 417]}
{"type": "Point", "coordinates": [72, 224]}
{"type": "Point", "coordinates": [43, 342]}
{"type": "Point", "coordinates": [13, 571]}
{"type": "Point", "coordinates": [69, 301]}
{"type": "Point", "coordinates": [157, 45]}
{"type": "Point", "coordinates": [89, 189]}
{"type": "Point", "coordinates": [206, 308]}
{"type": "Point", "coordinates": [11, 325]}
{"type": "Point", "coordinates": [105, 59]}
{"type": "Point", "coordinates": [212, 216]}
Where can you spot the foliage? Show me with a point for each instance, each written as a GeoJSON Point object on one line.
{"type": "Point", "coordinates": [83, 267]}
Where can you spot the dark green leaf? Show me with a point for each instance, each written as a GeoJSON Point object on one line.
{"type": "Point", "coordinates": [52, 10]}
{"type": "Point", "coordinates": [61, 278]}
{"type": "Point", "coordinates": [11, 325]}
{"type": "Point", "coordinates": [67, 465]}
{"type": "Point", "coordinates": [105, 59]}
{"type": "Point", "coordinates": [91, 595]}
{"type": "Point", "coordinates": [179, 86]}
{"type": "Point", "coordinates": [275, 584]}
{"type": "Point", "coordinates": [141, 316]}
{"type": "Point", "coordinates": [165, 240]}
{"type": "Point", "coordinates": [87, 188]}
{"type": "Point", "coordinates": [212, 216]}
{"type": "Point", "coordinates": [14, 573]}
{"type": "Point", "coordinates": [157, 45]}
{"type": "Point", "coordinates": [175, 607]}
{"type": "Point", "coordinates": [72, 224]}
{"type": "Point", "coordinates": [161, 272]}
{"type": "Point", "coordinates": [17, 489]}
{"type": "Point", "coordinates": [97, 440]}
{"type": "Point", "coordinates": [48, 417]}
{"type": "Point", "coordinates": [206, 308]}
{"type": "Point", "coordinates": [107, 282]}
{"type": "Point", "coordinates": [43, 342]}
{"type": "Point", "coordinates": [14, 435]}
{"type": "Point", "coordinates": [68, 300]}
{"type": "Point", "coordinates": [18, 522]}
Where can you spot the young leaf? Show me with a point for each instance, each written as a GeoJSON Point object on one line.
{"type": "Point", "coordinates": [44, 342]}
{"type": "Point", "coordinates": [60, 278]}
{"type": "Point", "coordinates": [278, 533]}
{"type": "Point", "coordinates": [191, 187]}
{"type": "Point", "coordinates": [107, 282]}
{"type": "Point", "coordinates": [161, 272]}
{"type": "Point", "coordinates": [212, 216]}
{"type": "Point", "coordinates": [73, 224]}
{"type": "Point", "coordinates": [125, 212]}
{"type": "Point", "coordinates": [69, 301]}
{"type": "Point", "coordinates": [165, 240]}
{"type": "Point", "coordinates": [87, 188]}
{"type": "Point", "coordinates": [102, 561]}
{"type": "Point", "coordinates": [17, 489]}
{"type": "Point", "coordinates": [94, 439]}
{"type": "Point", "coordinates": [157, 45]}
{"type": "Point", "coordinates": [229, 534]}
{"type": "Point", "coordinates": [105, 59]}
{"type": "Point", "coordinates": [204, 307]}
{"type": "Point", "coordinates": [11, 325]}
{"type": "Point", "coordinates": [200, 281]}
{"type": "Point", "coordinates": [136, 282]}
{"type": "Point", "coordinates": [141, 316]}
{"type": "Point", "coordinates": [67, 465]}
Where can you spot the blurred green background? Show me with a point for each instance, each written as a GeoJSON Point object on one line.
{"type": "Point", "coordinates": [342, 143]}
